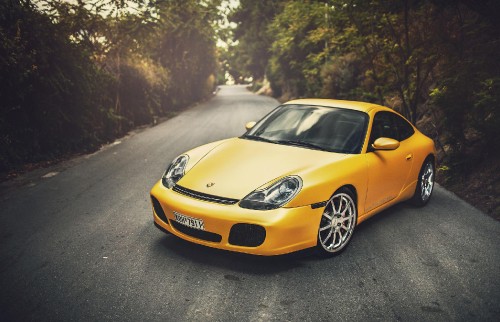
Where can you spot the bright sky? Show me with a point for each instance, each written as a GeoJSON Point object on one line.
{"type": "Point", "coordinates": [226, 7]}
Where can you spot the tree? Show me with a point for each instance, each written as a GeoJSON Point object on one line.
{"type": "Point", "coordinates": [186, 47]}
{"type": "Point", "coordinates": [252, 18]}
{"type": "Point", "coordinates": [77, 74]}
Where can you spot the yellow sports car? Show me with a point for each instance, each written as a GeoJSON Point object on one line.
{"type": "Point", "coordinates": [303, 176]}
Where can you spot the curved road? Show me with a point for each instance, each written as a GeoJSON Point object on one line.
{"type": "Point", "coordinates": [77, 242]}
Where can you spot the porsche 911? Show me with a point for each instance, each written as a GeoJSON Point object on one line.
{"type": "Point", "coordinates": [304, 176]}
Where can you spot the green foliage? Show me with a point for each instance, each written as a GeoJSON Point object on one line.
{"type": "Point", "coordinates": [466, 96]}
{"type": "Point", "coordinates": [345, 77]}
{"type": "Point", "coordinates": [187, 47]}
{"type": "Point", "coordinates": [298, 47]}
{"type": "Point", "coordinates": [250, 57]}
{"type": "Point", "coordinates": [430, 60]}
{"type": "Point", "coordinates": [143, 84]}
{"type": "Point", "coordinates": [77, 74]}
{"type": "Point", "coordinates": [49, 89]}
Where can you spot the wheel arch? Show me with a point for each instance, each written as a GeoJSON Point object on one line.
{"type": "Point", "coordinates": [351, 188]}
{"type": "Point", "coordinates": [415, 199]}
{"type": "Point", "coordinates": [430, 156]}
{"type": "Point", "coordinates": [353, 191]}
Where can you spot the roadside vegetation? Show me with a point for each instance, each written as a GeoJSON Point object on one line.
{"type": "Point", "coordinates": [77, 74]}
{"type": "Point", "coordinates": [434, 61]}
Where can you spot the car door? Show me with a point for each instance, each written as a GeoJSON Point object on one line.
{"type": "Point", "coordinates": [388, 169]}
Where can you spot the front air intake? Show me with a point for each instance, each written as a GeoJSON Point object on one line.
{"type": "Point", "coordinates": [159, 210]}
{"type": "Point", "coordinates": [196, 233]}
{"type": "Point", "coordinates": [248, 235]}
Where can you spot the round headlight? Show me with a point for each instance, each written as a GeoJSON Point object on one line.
{"type": "Point", "coordinates": [175, 171]}
{"type": "Point", "coordinates": [274, 196]}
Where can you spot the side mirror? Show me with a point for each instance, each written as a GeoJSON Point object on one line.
{"type": "Point", "coordinates": [250, 125]}
{"type": "Point", "coordinates": [385, 144]}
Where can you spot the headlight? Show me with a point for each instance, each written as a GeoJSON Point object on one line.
{"type": "Point", "coordinates": [274, 196]}
{"type": "Point", "coordinates": [175, 171]}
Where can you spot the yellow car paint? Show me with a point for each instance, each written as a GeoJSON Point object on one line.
{"type": "Point", "coordinates": [235, 167]}
{"type": "Point", "coordinates": [287, 229]}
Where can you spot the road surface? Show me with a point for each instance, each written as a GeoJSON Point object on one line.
{"type": "Point", "coordinates": [77, 243]}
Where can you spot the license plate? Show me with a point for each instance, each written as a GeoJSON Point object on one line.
{"type": "Point", "coordinates": [189, 221]}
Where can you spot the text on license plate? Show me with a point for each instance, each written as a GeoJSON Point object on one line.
{"type": "Point", "coordinates": [189, 221]}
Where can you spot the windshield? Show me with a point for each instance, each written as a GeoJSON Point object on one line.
{"type": "Point", "coordinates": [316, 127]}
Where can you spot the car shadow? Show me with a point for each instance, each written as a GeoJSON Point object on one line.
{"type": "Point", "coordinates": [383, 216]}
{"type": "Point", "coordinates": [176, 248]}
{"type": "Point", "coordinates": [238, 262]}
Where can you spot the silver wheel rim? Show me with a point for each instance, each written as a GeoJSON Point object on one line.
{"type": "Point", "coordinates": [427, 182]}
{"type": "Point", "coordinates": [337, 223]}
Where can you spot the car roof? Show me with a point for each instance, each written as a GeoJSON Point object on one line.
{"type": "Point", "coordinates": [352, 105]}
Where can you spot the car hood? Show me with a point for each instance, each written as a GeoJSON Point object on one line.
{"type": "Point", "coordinates": [236, 167]}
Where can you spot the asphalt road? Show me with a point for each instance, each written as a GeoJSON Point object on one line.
{"type": "Point", "coordinates": [77, 242]}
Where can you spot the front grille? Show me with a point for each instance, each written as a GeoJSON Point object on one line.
{"type": "Point", "coordinates": [196, 233]}
{"type": "Point", "coordinates": [159, 210]}
{"type": "Point", "coordinates": [204, 196]}
{"type": "Point", "coordinates": [247, 235]}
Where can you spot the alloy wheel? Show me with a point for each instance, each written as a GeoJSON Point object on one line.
{"type": "Point", "coordinates": [337, 222]}
{"type": "Point", "coordinates": [427, 182]}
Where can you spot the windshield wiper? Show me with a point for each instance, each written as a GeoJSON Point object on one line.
{"type": "Point", "coordinates": [257, 138]}
{"type": "Point", "coordinates": [303, 144]}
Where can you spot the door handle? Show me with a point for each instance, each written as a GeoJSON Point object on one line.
{"type": "Point", "coordinates": [409, 157]}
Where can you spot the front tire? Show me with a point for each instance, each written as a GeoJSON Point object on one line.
{"type": "Point", "coordinates": [337, 223]}
{"type": "Point", "coordinates": [425, 184]}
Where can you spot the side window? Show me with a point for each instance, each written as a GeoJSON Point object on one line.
{"type": "Point", "coordinates": [383, 126]}
{"type": "Point", "coordinates": [404, 129]}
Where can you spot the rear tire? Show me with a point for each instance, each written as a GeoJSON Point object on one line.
{"type": "Point", "coordinates": [337, 223]}
{"type": "Point", "coordinates": [425, 184]}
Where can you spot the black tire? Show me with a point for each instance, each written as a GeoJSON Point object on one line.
{"type": "Point", "coordinates": [337, 223]}
{"type": "Point", "coordinates": [425, 184]}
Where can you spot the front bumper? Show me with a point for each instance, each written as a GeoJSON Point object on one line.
{"type": "Point", "coordinates": [286, 229]}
